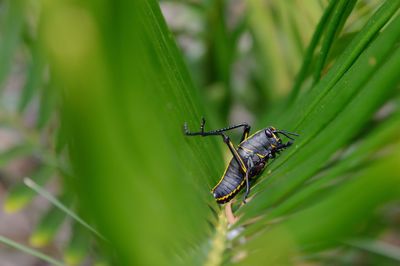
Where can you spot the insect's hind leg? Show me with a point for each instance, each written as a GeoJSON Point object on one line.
{"type": "Point", "coordinates": [217, 132]}
{"type": "Point", "coordinates": [226, 139]}
{"type": "Point", "coordinates": [234, 152]}
{"type": "Point", "coordinates": [246, 132]}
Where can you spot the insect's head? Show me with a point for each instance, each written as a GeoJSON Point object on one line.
{"type": "Point", "coordinates": [273, 135]}
{"type": "Point", "coordinates": [270, 132]}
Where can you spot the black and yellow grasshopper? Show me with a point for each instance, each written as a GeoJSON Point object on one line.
{"type": "Point", "coordinates": [249, 158]}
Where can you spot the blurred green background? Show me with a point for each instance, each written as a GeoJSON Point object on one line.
{"type": "Point", "coordinates": [96, 169]}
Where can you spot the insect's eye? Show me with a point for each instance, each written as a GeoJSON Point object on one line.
{"type": "Point", "coordinates": [268, 133]}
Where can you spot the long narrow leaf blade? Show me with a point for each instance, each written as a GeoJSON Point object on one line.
{"type": "Point", "coordinates": [30, 251]}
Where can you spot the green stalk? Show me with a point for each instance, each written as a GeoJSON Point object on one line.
{"type": "Point", "coordinates": [31, 184]}
{"type": "Point", "coordinates": [218, 243]}
{"type": "Point", "coordinates": [30, 251]}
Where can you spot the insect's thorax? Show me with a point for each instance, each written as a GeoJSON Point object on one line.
{"type": "Point", "coordinates": [257, 143]}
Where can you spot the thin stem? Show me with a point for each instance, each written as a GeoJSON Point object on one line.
{"type": "Point", "coordinates": [31, 184]}
{"type": "Point", "coordinates": [30, 251]}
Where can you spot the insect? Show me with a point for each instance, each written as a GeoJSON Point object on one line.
{"type": "Point", "coordinates": [249, 158]}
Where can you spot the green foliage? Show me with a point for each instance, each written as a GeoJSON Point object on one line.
{"type": "Point", "coordinates": [135, 165]}
{"type": "Point", "coordinates": [28, 116]}
{"type": "Point", "coordinates": [113, 72]}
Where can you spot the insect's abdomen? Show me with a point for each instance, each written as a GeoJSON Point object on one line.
{"type": "Point", "coordinates": [230, 184]}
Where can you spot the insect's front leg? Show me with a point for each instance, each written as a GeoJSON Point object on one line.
{"type": "Point", "coordinates": [284, 145]}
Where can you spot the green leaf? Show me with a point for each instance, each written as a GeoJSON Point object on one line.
{"type": "Point", "coordinates": [340, 13]}
{"type": "Point", "coordinates": [301, 76]}
{"type": "Point", "coordinates": [332, 29]}
{"type": "Point", "coordinates": [333, 222]}
{"type": "Point", "coordinates": [346, 107]}
{"type": "Point", "coordinates": [126, 94]}
{"type": "Point", "coordinates": [349, 55]}
{"type": "Point", "coordinates": [124, 109]}
{"type": "Point", "coordinates": [357, 157]}
{"type": "Point", "coordinates": [30, 251]}
{"type": "Point", "coordinates": [350, 120]}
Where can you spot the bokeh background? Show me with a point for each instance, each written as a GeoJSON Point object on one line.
{"type": "Point", "coordinates": [95, 169]}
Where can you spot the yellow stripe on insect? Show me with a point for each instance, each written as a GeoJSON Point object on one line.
{"type": "Point", "coordinates": [250, 151]}
{"type": "Point", "coordinates": [233, 192]}
{"type": "Point", "coordinates": [222, 178]}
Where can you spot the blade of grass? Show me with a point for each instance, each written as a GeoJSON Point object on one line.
{"type": "Point", "coordinates": [312, 113]}
{"type": "Point", "coordinates": [30, 251]}
{"type": "Point", "coordinates": [339, 16]}
{"type": "Point", "coordinates": [301, 76]}
{"type": "Point", "coordinates": [349, 55]}
{"type": "Point", "coordinates": [31, 184]}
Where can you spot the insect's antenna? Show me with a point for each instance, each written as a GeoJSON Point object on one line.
{"type": "Point", "coordinates": [280, 132]}
{"type": "Point", "coordinates": [286, 134]}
